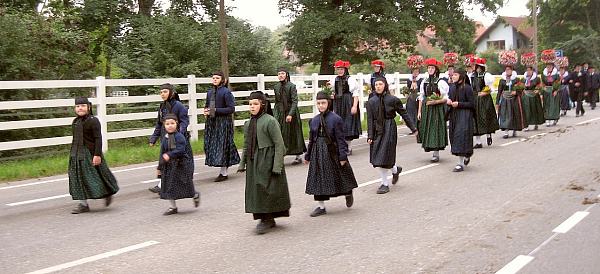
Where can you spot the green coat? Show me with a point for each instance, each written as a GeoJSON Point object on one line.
{"type": "Point", "coordinates": [286, 103]}
{"type": "Point", "coordinates": [266, 183]}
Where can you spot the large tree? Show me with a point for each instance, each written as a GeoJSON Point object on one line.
{"type": "Point", "coordinates": [358, 30]}
{"type": "Point", "coordinates": [571, 25]}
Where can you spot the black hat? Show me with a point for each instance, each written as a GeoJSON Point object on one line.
{"type": "Point", "coordinates": [82, 100]}
{"type": "Point", "coordinates": [171, 116]}
{"type": "Point", "coordinates": [322, 96]}
{"type": "Point", "coordinates": [257, 95]}
{"type": "Point", "coordinates": [287, 73]}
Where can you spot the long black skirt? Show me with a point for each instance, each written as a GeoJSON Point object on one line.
{"type": "Point", "coordinates": [461, 132]}
{"type": "Point", "coordinates": [565, 98]}
{"type": "Point", "coordinates": [342, 106]}
{"type": "Point", "coordinates": [177, 180]}
{"type": "Point", "coordinates": [326, 177]}
{"type": "Point", "coordinates": [412, 107]}
{"type": "Point", "coordinates": [218, 142]}
{"type": "Point", "coordinates": [383, 148]}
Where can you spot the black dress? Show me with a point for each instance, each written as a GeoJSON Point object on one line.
{"type": "Point", "coordinates": [382, 129]}
{"type": "Point", "coordinates": [326, 148]}
{"type": "Point", "coordinates": [342, 106]}
{"type": "Point", "coordinates": [412, 103]}
{"type": "Point", "coordinates": [461, 120]}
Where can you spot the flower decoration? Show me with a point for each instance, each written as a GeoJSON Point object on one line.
{"type": "Point", "coordinates": [507, 57]}
{"type": "Point", "coordinates": [450, 58]}
{"type": "Point", "coordinates": [562, 62]}
{"type": "Point", "coordinates": [529, 59]}
{"type": "Point", "coordinates": [548, 56]}
{"type": "Point", "coordinates": [414, 61]}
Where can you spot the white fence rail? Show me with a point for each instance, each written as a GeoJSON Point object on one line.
{"type": "Point", "coordinates": [102, 101]}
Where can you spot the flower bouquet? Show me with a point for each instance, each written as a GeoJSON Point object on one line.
{"type": "Point", "coordinates": [450, 58]}
{"type": "Point", "coordinates": [556, 85]}
{"type": "Point", "coordinates": [469, 59]}
{"type": "Point", "coordinates": [528, 59]}
{"type": "Point", "coordinates": [434, 97]}
{"type": "Point", "coordinates": [519, 86]}
{"type": "Point", "coordinates": [507, 57]}
{"type": "Point", "coordinates": [414, 61]}
{"type": "Point", "coordinates": [486, 89]}
{"type": "Point", "coordinates": [562, 62]}
{"type": "Point", "coordinates": [405, 91]}
{"type": "Point", "coordinates": [548, 56]}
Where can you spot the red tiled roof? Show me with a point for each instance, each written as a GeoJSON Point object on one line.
{"type": "Point", "coordinates": [519, 23]}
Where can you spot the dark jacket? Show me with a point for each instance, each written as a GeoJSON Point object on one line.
{"type": "Point", "coordinates": [392, 105]}
{"type": "Point", "coordinates": [175, 107]}
{"type": "Point", "coordinates": [335, 129]}
{"type": "Point", "coordinates": [225, 102]}
{"type": "Point", "coordinates": [180, 145]}
{"type": "Point", "coordinates": [92, 136]}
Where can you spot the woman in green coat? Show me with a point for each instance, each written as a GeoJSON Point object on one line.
{"type": "Point", "coordinates": [267, 195]}
{"type": "Point", "coordinates": [287, 114]}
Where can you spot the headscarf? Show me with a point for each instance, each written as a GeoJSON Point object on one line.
{"type": "Point", "coordinates": [77, 147]}
{"type": "Point", "coordinates": [212, 103]}
{"type": "Point", "coordinates": [171, 136]}
{"type": "Point", "coordinates": [84, 100]}
{"type": "Point", "coordinates": [283, 96]}
{"type": "Point", "coordinates": [168, 104]}
{"type": "Point", "coordinates": [379, 126]}
{"type": "Point", "coordinates": [251, 138]}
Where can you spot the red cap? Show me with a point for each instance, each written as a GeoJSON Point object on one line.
{"type": "Point", "coordinates": [480, 61]}
{"type": "Point", "coordinates": [378, 63]}
{"type": "Point", "coordinates": [341, 64]}
{"type": "Point", "coordinates": [432, 62]}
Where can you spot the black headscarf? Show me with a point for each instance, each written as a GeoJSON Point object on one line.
{"type": "Point", "coordinates": [251, 140]}
{"type": "Point", "coordinates": [77, 147]}
{"type": "Point", "coordinates": [283, 96]}
{"type": "Point", "coordinates": [212, 101]}
{"type": "Point", "coordinates": [171, 136]}
{"type": "Point", "coordinates": [84, 100]}
{"type": "Point", "coordinates": [379, 127]}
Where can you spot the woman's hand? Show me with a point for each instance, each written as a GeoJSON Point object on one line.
{"type": "Point", "coordinates": [369, 141]}
{"type": "Point", "coordinates": [288, 119]}
{"type": "Point", "coordinates": [419, 116]}
{"type": "Point", "coordinates": [166, 157]}
{"type": "Point", "coordinates": [96, 161]}
{"type": "Point", "coordinates": [343, 163]}
{"type": "Point", "coordinates": [454, 104]}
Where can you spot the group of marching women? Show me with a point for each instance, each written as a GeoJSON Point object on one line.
{"type": "Point", "coordinates": [454, 106]}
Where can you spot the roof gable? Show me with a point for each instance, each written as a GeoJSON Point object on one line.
{"type": "Point", "coordinates": [519, 24]}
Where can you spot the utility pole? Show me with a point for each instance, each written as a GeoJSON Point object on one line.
{"type": "Point", "coordinates": [535, 28]}
{"type": "Point", "coordinates": [224, 52]}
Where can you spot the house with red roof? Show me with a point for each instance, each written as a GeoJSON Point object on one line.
{"type": "Point", "coordinates": [505, 33]}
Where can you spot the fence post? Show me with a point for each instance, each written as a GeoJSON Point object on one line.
{"type": "Point", "coordinates": [397, 82]}
{"type": "Point", "coordinates": [315, 86]}
{"type": "Point", "coordinates": [361, 100]}
{"type": "Point", "coordinates": [193, 127]}
{"type": "Point", "coordinates": [101, 110]}
{"type": "Point", "coordinates": [260, 82]}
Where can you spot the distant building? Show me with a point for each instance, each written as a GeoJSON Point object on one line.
{"type": "Point", "coordinates": [505, 33]}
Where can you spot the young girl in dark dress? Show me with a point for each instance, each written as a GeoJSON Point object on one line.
{"type": "Point", "coordinates": [462, 107]}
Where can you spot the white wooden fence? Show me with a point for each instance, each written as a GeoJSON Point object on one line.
{"type": "Point", "coordinates": [101, 101]}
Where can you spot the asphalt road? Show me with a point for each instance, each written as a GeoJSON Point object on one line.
{"type": "Point", "coordinates": [499, 214]}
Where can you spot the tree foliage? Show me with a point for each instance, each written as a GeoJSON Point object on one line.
{"type": "Point", "coordinates": [360, 30]}
{"type": "Point", "coordinates": [573, 26]}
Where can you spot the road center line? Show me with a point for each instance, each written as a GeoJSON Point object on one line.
{"type": "Point", "coordinates": [401, 174]}
{"type": "Point", "coordinates": [94, 258]}
{"type": "Point", "coordinates": [38, 200]}
{"type": "Point", "coordinates": [571, 222]}
{"type": "Point", "coordinates": [515, 265]}
{"type": "Point", "coordinates": [588, 121]}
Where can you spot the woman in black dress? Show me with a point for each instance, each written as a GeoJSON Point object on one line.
{"type": "Point", "coordinates": [462, 106]}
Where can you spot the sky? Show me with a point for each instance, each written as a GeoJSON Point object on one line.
{"type": "Point", "coordinates": [266, 13]}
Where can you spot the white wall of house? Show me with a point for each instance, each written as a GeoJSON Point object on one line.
{"type": "Point", "coordinates": [500, 32]}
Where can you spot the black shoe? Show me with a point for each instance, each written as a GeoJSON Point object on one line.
{"type": "Point", "coordinates": [505, 136]}
{"type": "Point", "coordinates": [458, 168]}
{"type": "Point", "coordinates": [489, 141]}
{"type": "Point", "coordinates": [383, 189]}
{"type": "Point", "coordinates": [80, 209]}
{"type": "Point", "coordinates": [514, 134]}
{"type": "Point", "coordinates": [108, 200]}
{"type": "Point", "coordinates": [349, 200]}
{"type": "Point", "coordinates": [318, 212]}
{"type": "Point", "coordinates": [154, 189]}
{"type": "Point", "coordinates": [435, 159]}
{"type": "Point", "coordinates": [197, 199]}
{"type": "Point", "coordinates": [297, 161]}
{"type": "Point", "coordinates": [478, 146]}
{"type": "Point", "coordinates": [535, 127]}
{"type": "Point", "coordinates": [555, 122]}
{"type": "Point", "coordinates": [170, 211]}
{"type": "Point", "coordinates": [396, 175]}
{"type": "Point", "coordinates": [221, 178]}
{"type": "Point", "coordinates": [467, 160]}
{"type": "Point", "coordinates": [264, 226]}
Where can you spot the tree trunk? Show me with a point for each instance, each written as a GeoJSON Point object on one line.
{"type": "Point", "coordinates": [145, 7]}
{"type": "Point", "coordinates": [326, 51]}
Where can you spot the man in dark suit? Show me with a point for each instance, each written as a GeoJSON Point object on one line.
{"type": "Point", "coordinates": [592, 86]}
{"type": "Point", "coordinates": [577, 79]}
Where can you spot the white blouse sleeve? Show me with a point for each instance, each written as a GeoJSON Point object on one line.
{"type": "Point", "coordinates": [488, 79]}
{"type": "Point", "coordinates": [422, 91]}
{"type": "Point", "coordinates": [444, 88]}
{"type": "Point", "coordinates": [354, 87]}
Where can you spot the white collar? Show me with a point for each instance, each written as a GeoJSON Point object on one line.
{"type": "Point", "coordinates": [533, 75]}
{"type": "Point", "coordinates": [512, 77]}
{"type": "Point", "coordinates": [554, 71]}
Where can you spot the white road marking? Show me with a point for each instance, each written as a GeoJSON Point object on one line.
{"type": "Point", "coordinates": [38, 200]}
{"type": "Point", "coordinates": [515, 265]}
{"type": "Point", "coordinates": [94, 258]}
{"type": "Point", "coordinates": [34, 183]}
{"type": "Point", "coordinates": [585, 122]}
{"type": "Point", "coordinates": [510, 143]}
{"type": "Point", "coordinates": [571, 222]}
{"type": "Point", "coordinates": [401, 174]}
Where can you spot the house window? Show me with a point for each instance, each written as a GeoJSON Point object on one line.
{"type": "Point", "coordinates": [496, 44]}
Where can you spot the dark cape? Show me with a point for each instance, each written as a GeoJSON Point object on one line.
{"type": "Point", "coordinates": [461, 120]}
{"type": "Point", "coordinates": [286, 103]}
{"type": "Point", "coordinates": [412, 102]}
{"type": "Point", "coordinates": [342, 106]}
